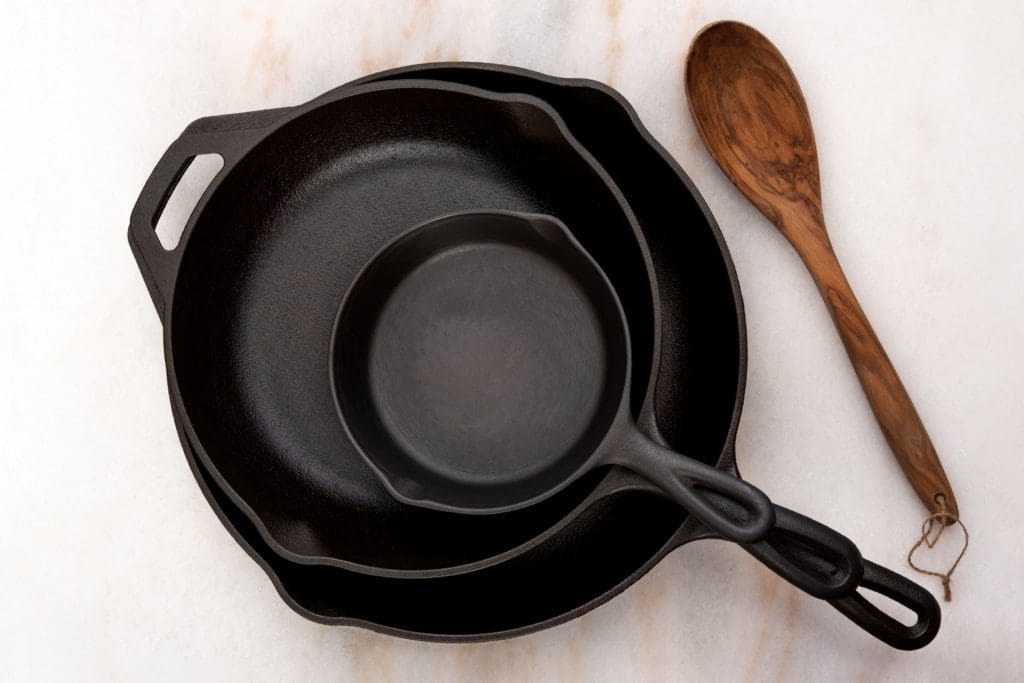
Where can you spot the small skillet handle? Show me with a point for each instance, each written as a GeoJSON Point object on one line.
{"type": "Point", "coordinates": [879, 624]}
{"type": "Point", "coordinates": [229, 136]}
{"type": "Point", "coordinates": [745, 516]}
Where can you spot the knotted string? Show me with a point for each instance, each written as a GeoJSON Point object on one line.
{"type": "Point", "coordinates": [945, 519]}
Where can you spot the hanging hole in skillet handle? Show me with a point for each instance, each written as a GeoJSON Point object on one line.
{"type": "Point", "coordinates": [224, 137]}
{"type": "Point", "coordinates": [749, 515]}
{"type": "Point", "coordinates": [889, 629]}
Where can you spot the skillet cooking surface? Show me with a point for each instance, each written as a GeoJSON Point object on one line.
{"type": "Point", "coordinates": [477, 356]}
{"type": "Point", "coordinates": [270, 257]}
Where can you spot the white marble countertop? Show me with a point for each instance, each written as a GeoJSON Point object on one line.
{"type": "Point", "coordinates": [115, 567]}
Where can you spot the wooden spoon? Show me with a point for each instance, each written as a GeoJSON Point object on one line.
{"type": "Point", "coordinates": [752, 117]}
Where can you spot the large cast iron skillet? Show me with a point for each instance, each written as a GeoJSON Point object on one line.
{"type": "Point", "coordinates": [249, 296]}
{"type": "Point", "coordinates": [597, 553]}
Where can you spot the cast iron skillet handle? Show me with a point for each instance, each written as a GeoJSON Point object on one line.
{"type": "Point", "coordinates": [813, 557]}
{"type": "Point", "coordinates": [879, 624]}
{"type": "Point", "coordinates": [228, 136]}
{"type": "Point", "coordinates": [825, 564]}
{"type": "Point", "coordinates": [690, 482]}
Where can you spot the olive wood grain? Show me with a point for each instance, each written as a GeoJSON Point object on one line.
{"type": "Point", "coordinates": [752, 116]}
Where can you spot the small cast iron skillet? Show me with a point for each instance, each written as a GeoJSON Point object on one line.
{"type": "Point", "coordinates": [481, 363]}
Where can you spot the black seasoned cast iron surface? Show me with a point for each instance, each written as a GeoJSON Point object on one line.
{"type": "Point", "coordinates": [482, 623]}
{"type": "Point", "coordinates": [613, 542]}
{"type": "Point", "coordinates": [479, 356]}
{"type": "Point", "coordinates": [269, 256]}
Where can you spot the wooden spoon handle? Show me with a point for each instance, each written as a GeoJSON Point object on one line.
{"type": "Point", "coordinates": [889, 400]}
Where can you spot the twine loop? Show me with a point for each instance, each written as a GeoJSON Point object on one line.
{"type": "Point", "coordinates": [944, 518]}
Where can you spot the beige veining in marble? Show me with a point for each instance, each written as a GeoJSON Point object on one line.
{"type": "Point", "coordinates": [115, 568]}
